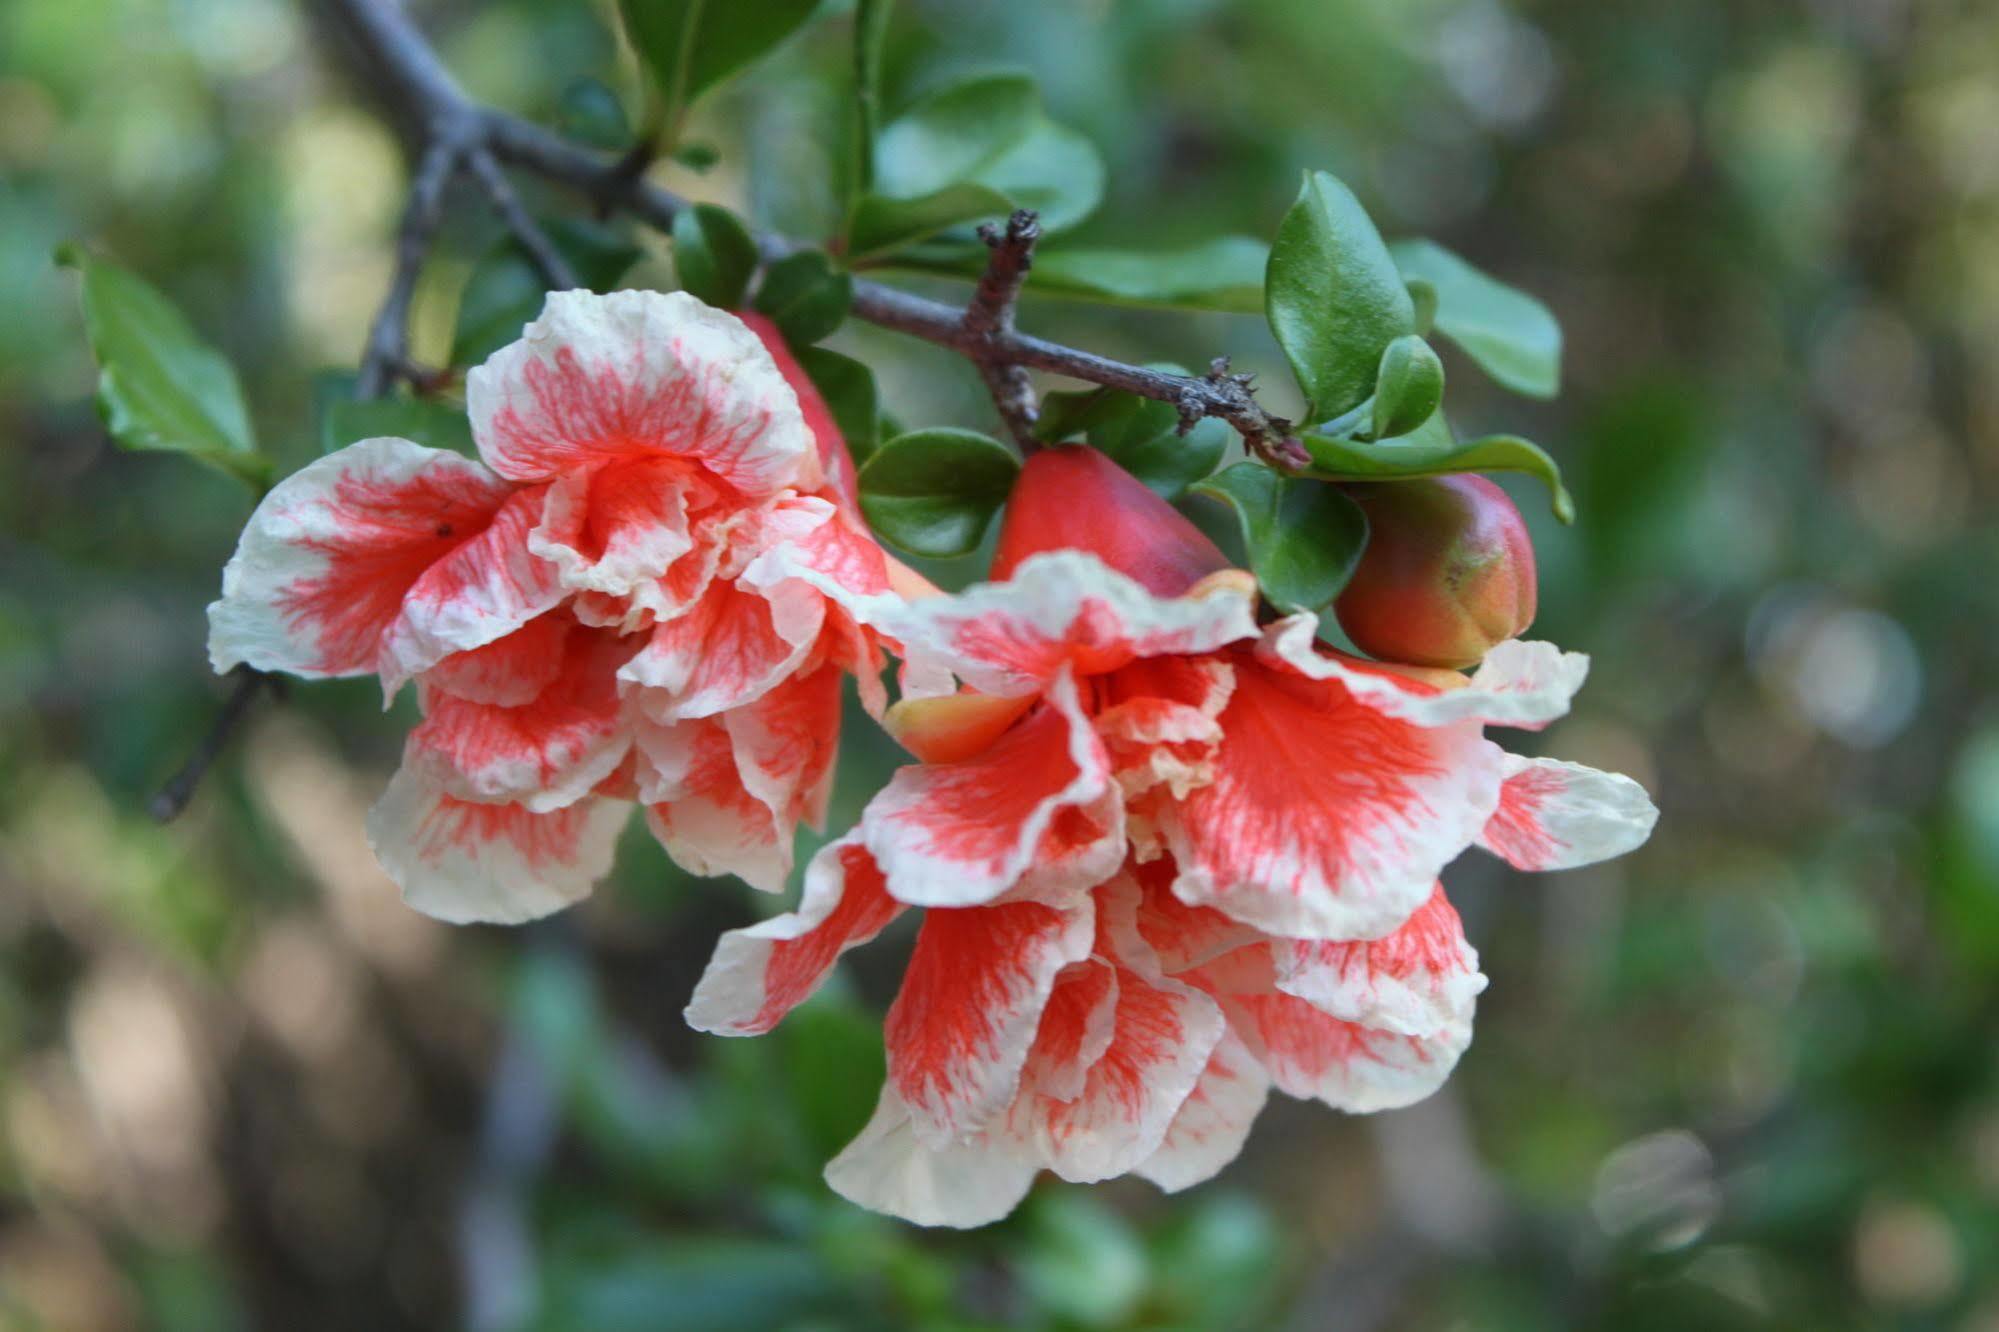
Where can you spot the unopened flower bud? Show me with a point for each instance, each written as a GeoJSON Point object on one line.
{"type": "Point", "coordinates": [1448, 572]}
{"type": "Point", "coordinates": [1072, 497]}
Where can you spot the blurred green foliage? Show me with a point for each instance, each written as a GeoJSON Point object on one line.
{"type": "Point", "coordinates": [1746, 1079]}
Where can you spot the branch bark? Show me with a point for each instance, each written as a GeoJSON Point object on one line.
{"type": "Point", "coordinates": [433, 101]}
{"type": "Point", "coordinates": [989, 319]}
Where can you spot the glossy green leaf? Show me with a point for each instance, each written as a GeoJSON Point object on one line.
{"type": "Point", "coordinates": [805, 296]}
{"type": "Point", "coordinates": [934, 492]}
{"type": "Point", "coordinates": [1169, 462]}
{"type": "Point", "coordinates": [849, 389]}
{"type": "Point", "coordinates": [714, 254]}
{"type": "Point", "coordinates": [591, 113]}
{"type": "Point", "coordinates": [343, 419]}
{"type": "Point", "coordinates": [1513, 337]}
{"type": "Point", "coordinates": [1225, 273]}
{"type": "Point", "coordinates": [1408, 388]}
{"type": "Point", "coordinates": [1303, 537]}
{"type": "Point", "coordinates": [1141, 435]}
{"type": "Point", "coordinates": [1334, 297]}
{"type": "Point", "coordinates": [870, 36]}
{"type": "Point", "coordinates": [1051, 169]}
{"type": "Point", "coordinates": [505, 290]}
{"type": "Point", "coordinates": [159, 385]}
{"type": "Point", "coordinates": [953, 134]}
{"type": "Point", "coordinates": [689, 46]}
{"type": "Point", "coordinates": [1432, 451]}
{"type": "Point", "coordinates": [882, 225]}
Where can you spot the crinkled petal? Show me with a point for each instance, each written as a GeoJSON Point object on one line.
{"type": "Point", "coordinates": [1068, 609]}
{"type": "Point", "coordinates": [1040, 799]}
{"type": "Point", "coordinates": [1421, 979]}
{"type": "Point", "coordinates": [324, 564]}
{"type": "Point", "coordinates": [1327, 818]}
{"type": "Point", "coordinates": [735, 645]}
{"type": "Point", "coordinates": [623, 527]}
{"type": "Point", "coordinates": [786, 744]}
{"type": "Point", "coordinates": [597, 379]}
{"type": "Point", "coordinates": [891, 1168]}
{"type": "Point", "coordinates": [1519, 684]}
{"type": "Point", "coordinates": [1161, 726]}
{"type": "Point", "coordinates": [1076, 1028]}
{"type": "Point", "coordinates": [1313, 1056]}
{"type": "Point", "coordinates": [1162, 1036]}
{"type": "Point", "coordinates": [761, 973]}
{"type": "Point", "coordinates": [1142, 912]}
{"type": "Point", "coordinates": [543, 754]}
{"type": "Point", "coordinates": [1214, 1121]}
{"type": "Point", "coordinates": [701, 811]}
{"type": "Point", "coordinates": [463, 861]}
{"type": "Point", "coordinates": [959, 1031]}
{"type": "Point", "coordinates": [508, 671]}
{"type": "Point", "coordinates": [1554, 815]}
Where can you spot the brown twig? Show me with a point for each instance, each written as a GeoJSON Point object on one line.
{"type": "Point", "coordinates": [989, 319]}
{"type": "Point", "coordinates": [527, 232]}
{"type": "Point", "coordinates": [419, 82]}
{"type": "Point", "coordinates": [173, 797]}
{"type": "Point", "coordinates": [388, 337]}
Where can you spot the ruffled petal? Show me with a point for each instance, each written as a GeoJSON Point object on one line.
{"type": "Point", "coordinates": [623, 527]}
{"type": "Point", "coordinates": [462, 861]}
{"type": "Point", "coordinates": [545, 753]}
{"type": "Point", "coordinates": [1076, 1028]}
{"type": "Point", "coordinates": [892, 1168]}
{"type": "Point", "coordinates": [735, 645]}
{"type": "Point", "coordinates": [959, 1031]}
{"type": "Point", "coordinates": [702, 812]}
{"type": "Point", "coordinates": [509, 671]}
{"type": "Point", "coordinates": [1327, 818]}
{"type": "Point", "coordinates": [1519, 684]}
{"type": "Point", "coordinates": [1314, 1056]}
{"type": "Point", "coordinates": [1142, 912]}
{"type": "Point", "coordinates": [1068, 609]}
{"type": "Point", "coordinates": [1214, 1121]}
{"type": "Point", "coordinates": [1161, 722]}
{"type": "Point", "coordinates": [761, 973]}
{"type": "Point", "coordinates": [1035, 812]}
{"type": "Point", "coordinates": [1421, 979]}
{"type": "Point", "coordinates": [597, 379]}
{"type": "Point", "coordinates": [1554, 815]}
{"type": "Point", "coordinates": [325, 563]}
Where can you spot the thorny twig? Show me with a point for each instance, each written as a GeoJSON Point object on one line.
{"type": "Point", "coordinates": [989, 318]}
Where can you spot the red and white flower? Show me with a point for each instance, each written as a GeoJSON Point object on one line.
{"type": "Point", "coordinates": [1168, 859]}
{"type": "Point", "coordinates": [621, 601]}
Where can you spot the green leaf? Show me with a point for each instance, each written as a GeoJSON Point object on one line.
{"type": "Point", "coordinates": [883, 225]}
{"type": "Point", "coordinates": [1408, 389]}
{"type": "Point", "coordinates": [933, 492]}
{"type": "Point", "coordinates": [1512, 336]}
{"type": "Point", "coordinates": [689, 46]}
{"type": "Point", "coordinates": [849, 389]}
{"type": "Point", "coordinates": [1169, 462]}
{"type": "Point", "coordinates": [159, 386]}
{"type": "Point", "coordinates": [1225, 273]}
{"type": "Point", "coordinates": [953, 134]}
{"type": "Point", "coordinates": [1432, 451]}
{"type": "Point", "coordinates": [1303, 537]}
{"type": "Point", "coordinates": [1140, 435]}
{"type": "Point", "coordinates": [974, 149]}
{"type": "Point", "coordinates": [1333, 296]}
{"type": "Point", "coordinates": [505, 290]}
{"type": "Point", "coordinates": [714, 254]}
{"type": "Point", "coordinates": [591, 113]}
{"type": "Point", "coordinates": [343, 419]}
{"type": "Point", "coordinates": [805, 296]}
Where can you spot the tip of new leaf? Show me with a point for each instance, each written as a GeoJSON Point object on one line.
{"type": "Point", "coordinates": [69, 254]}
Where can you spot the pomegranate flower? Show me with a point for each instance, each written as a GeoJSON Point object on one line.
{"type": "Point", "coordinates": [1168, 859]}
{"type": "Point", "coordinates": [608, 607]}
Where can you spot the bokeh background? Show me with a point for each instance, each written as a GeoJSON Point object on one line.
{"type": "Point", "coordinates": [1747, 1078]}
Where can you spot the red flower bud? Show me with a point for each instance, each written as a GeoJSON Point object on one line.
{"type": "Point", "coordinates": [1071, 497]}
{"type": "Point", "coordinates": [1447, 573]}
{"type": "Point", "coordinates": [833, 455]}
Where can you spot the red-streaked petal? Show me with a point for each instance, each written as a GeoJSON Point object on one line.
{"type": "Point", "coordinates": [463, 861]}
{"type": "Point", "coordinates": [1143, 914]}
{"type": "Point", "coordinates": [1327, 818]}
{"type": "Point", "coordinates": [834, 458]}
{"type": "Point", "coordinates": [546, 753]}
{"type": "Point", "coordinates": [960, 1029]}
{"type": "Point", "coordinates": [1160, 725]}
{"type": "Point", "coordinates": [891, 1168]}
{"type": "Point", "coordinates": [730, 649]}
{"type": "Point", "coordinates": [786, 744]}
{"type": "Point", "coordinates": [1314, 1056]}
{"type": "Point", "coordinates": [1076, 1028]}
{"type": "Point", "coordinates": [325, 562]}
{"type": "Point", "coordinates": [700, 810]}
{"type": "Point", "coordinates": [761, 973]}
{"type": "Point", "coordinates": [1522, 684]}
{"type": "Point", "coordinates": [597, 379]}
{"type": "Point", "coordinates": [1214, 1121]}
{"type": "Point", "coordinates": [1162, 1036]}
{"type": "Point", "coordinates": [1555, 816]}
{"type": "Point", "coordinates": [1039, 804]}
{"type": "Point", "coordinates": [626, 525]}
{"type": "Point", "coordinates": [1068, 609]}
{"type": "Point", "coordinates": [1421, 979]}
{"type": "Point", "coordinates": [509, 671]}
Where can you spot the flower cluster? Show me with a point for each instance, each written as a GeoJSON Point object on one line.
{"type": "Point", "coordinates": [1169, 852]}
{"type": "Point", "coordinates": [608, 607]}
{"type": "Point", "coordinates": [1167, 857]}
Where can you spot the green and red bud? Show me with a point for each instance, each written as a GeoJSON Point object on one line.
{"type": "Point", "coordinates": [1072, 497]}
{"type": "Point", "coordinates": [1448, 572]}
